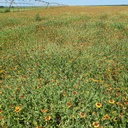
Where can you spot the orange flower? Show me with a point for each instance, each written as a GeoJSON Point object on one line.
{"type": "Point", "coordinates": [98, 105]}
{"type": "Point", "coordinates": [17, 109]}
{"type": "Point", "coordinates": [0, 111]}
{"type": "Point", "coordinates": [22, 96]}
{"type": "Point", "coordinates": [44, 110]}
{"type": "Point", "coordinates": [47, 118]}
{"type": "Point", "coordinates": [106, 117]}
{"type": "Point", "coordinates": [96, 124]}
{"type": "Point", "coordinates": [39, 87]}
{"type": "Point", "coordinates": [126, 102]}
{"type": "Point", "coordinates": [111, 101]}
{"type": "Point", "coordinates": [38, 127]}
{"type": "Point", "coordinates": [82, 115]}
{"type": "Point", "coordinates": [69, 104]}
{"type": "Point", "coordinates": [74, 92]}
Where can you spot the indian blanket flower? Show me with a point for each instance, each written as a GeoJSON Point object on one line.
{"type": "Point", "coordinates": [111, 101]}
{"type": "Point", "coordinates": [82, 115]}
{"type": "Point", "coordinates": [22, 96]}
{"type": "Point", "coordinates": [98, 105]}
{"type": "Point", "coordinates": [17, 109]}
{"type": "Point", "coordinates": [0, 111]}
{"type": "Point", "coordinates": [69, 104]}
{"type": "Point", "coordinates": [38, 127]}
{"type": "Point", "coordinates": [106, 117]}
{"type": "Point", "coordinates": [109, 89]}
{"type": "Point", "coordinates": [96, 124]}
{"type": "Point", "coordinates": [126, 102]}
{"type": "Point", "coordinates": [47, 118]}
{"type": "Point", "coordinates": [121, 115]}
{"type": "Point", "coordinates": [119, 104]}
{"type": "Point", "coordinates": [124, 107]}
{"type": "Point", "coordinates": [44, 110]}
{"type": "Point", "coordinates": [39, 87]}
{"type": "Point", "coordinates": [74, 92]}
{"type": "Point", "coordinates": [115, 119]}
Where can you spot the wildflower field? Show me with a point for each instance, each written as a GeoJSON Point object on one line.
{"type": "Point", "coordinates": [64, 67]}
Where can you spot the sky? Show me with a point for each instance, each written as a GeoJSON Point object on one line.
{"type": "Point", "coordinates": [80, 2]}
{"type": "Point", "coordinates": [90, 2]}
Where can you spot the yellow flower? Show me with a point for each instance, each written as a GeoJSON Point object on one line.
{"type": "Point", "coordinates": [38, 127]}
{"type": "Point", "coordinates": [69, 104]}
{"type": "Point", "coordinates": [73, 117]}
{"type": "Point", "coordinates": [124, 107]}
{"type": "Point", "coordinates": [1, 71]}
{"type": "Point", "coordinates": [47, 118]}
{"type": "Point", "coordinates": [113, 112]}
{"type": "Point", "coordinates": [19, 71]}
{"type": "Point", "coordinates": [17, 109]}
{"type": "Point", "coordinates": [115, 119]}
{"type": "Point", "coordinates": [82, 115]}
{"type": "Point", "coordinates": [106, 117]}
{"type": "Point", "coordinates": [74, 92]}
{"type": "Point", "coordinates": [64, 94]}
{"type": "Point", "coordinates": [119, 104]}
{"type": "Point", "coordinates": [111, 101]}
{"type": "Point", "coordinates": [98, 105]}
{"type": "Point", "coordinates": [96, 124]}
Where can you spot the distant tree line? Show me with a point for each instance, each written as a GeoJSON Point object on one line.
{"type": "Point", "coordinates": [1, 6]}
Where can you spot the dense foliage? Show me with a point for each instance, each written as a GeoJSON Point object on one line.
{"type": "Point", "coordinates": [64, 67]}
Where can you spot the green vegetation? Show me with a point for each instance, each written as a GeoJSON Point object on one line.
{"type": "Point", "coordinates": [64, 67]}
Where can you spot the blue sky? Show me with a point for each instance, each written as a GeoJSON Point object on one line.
{"type": "Point", "coordinates": [81, 2]}
{"type": "Point", "coordinates": [90, 2]}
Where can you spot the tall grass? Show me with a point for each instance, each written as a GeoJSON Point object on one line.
{"type": "Point", "coordinates": [67, 70]}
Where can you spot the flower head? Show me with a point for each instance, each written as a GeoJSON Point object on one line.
{"type": "Point", "coordinates": [106, 117]}
{"type": "Point", "coordinates": [115, 119]}
{"type": "Point", "coordinates": [98, 105]}
{"type": "Point", "coordinates": [96, 124]}
{"type": "Point", "coordinates": [39, 87]}
{"type": "Point", "coordinates": [69, 104]}
{"type": "Point", "coordinates": [82, 115]}
{"type": "Point", "coordinates": [0, 111]}
{"type": "Point", "coordinates": [44, 110]}
{"type": "Point", "coordinates": [111, 101]}
{"type": "Point", "coordinates": [17, 109]}
{"type": "Point", "coordinates": [74, 92]}
{"type": "Point", "coordinates": [124, 107]}
{"type": "Point", "coordinates": [119, 104]}
{"type": "Point", "coordinates": [38, 127]}
{"type": "Point", "coordinates": [47, 118]}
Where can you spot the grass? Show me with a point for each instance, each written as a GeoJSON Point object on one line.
{"type": "Point", "coordinates": [64, 67]}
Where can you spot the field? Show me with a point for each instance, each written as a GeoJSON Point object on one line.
{"type": "Point", "coordinates": [64, 67]}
